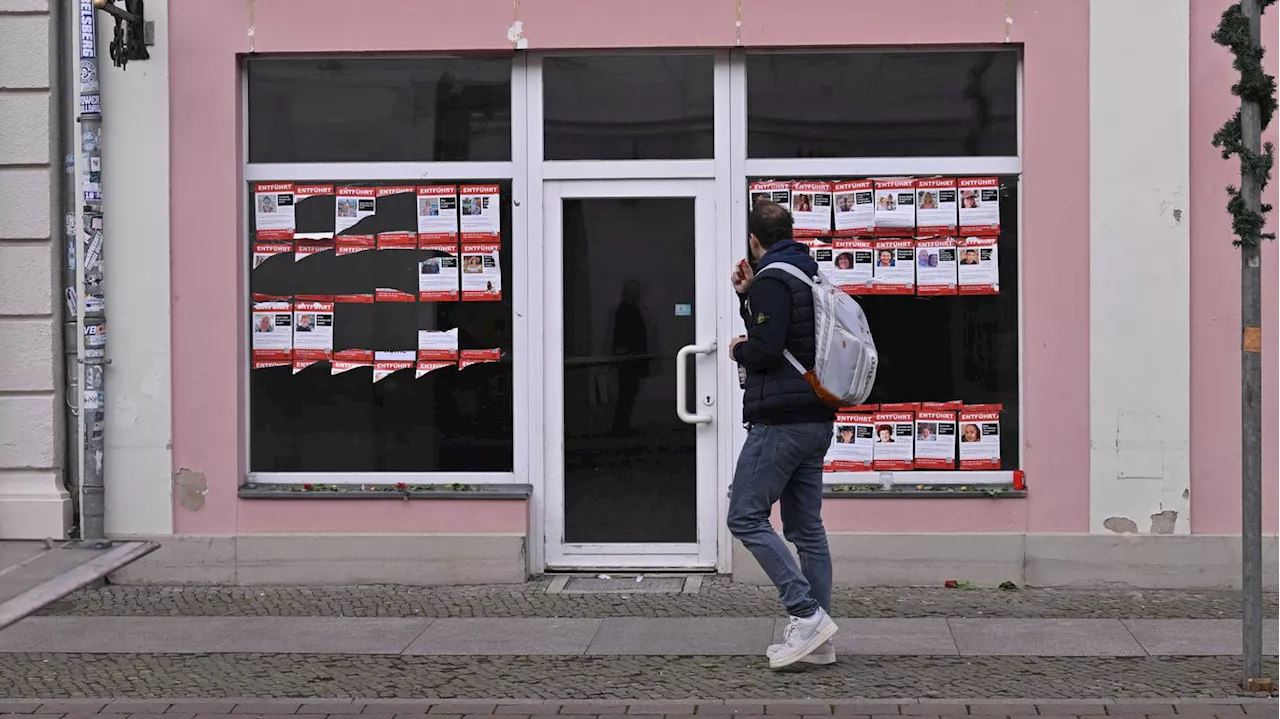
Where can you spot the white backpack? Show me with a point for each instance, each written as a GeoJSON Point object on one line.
{"type": "Point", "coordinates": [845, 368]}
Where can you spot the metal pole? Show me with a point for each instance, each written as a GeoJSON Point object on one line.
{"type": "Point", "coordinates": [1251, 382]}
{"type": "Point", "coordinates": [66, 220]}
{"type": "Point", "coordinates": [93, 404]}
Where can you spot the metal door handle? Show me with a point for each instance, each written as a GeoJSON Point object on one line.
{"type": "Point", "coordinates": [682, 382]}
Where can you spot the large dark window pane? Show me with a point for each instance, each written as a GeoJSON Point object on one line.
{"type": "Point", "coordinates": [630, 464]}
{"type": "Point", "coordinates": [882, 104]}
{"type": "Point", "coordinates": [629, 107]}
{"type": "Point", "coordinates": [379, 109]}
{"type": "Point", "coordinates": [940, 349]}
{"type": "Point", "coordinates": [448, 420]}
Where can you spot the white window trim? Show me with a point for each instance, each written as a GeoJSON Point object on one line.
{"type": "Point", "coordinates": [383, 478]}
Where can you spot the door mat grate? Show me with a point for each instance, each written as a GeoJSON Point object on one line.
{"type": "Point", "coordinates": [624, 584]}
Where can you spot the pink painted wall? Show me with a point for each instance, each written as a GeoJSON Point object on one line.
{"type": "Point", "coordinates": [1215, 292]}
{"type": "Point", "coordinates": [385, 516]}
{"type": "Point", "coordinates": [208, 254]}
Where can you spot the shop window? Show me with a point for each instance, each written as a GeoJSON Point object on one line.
{"type": "Point", "coordinates": [379, 110]}
{"type": "Point", "coordinates": [937, 349]}
{"type": "Point", "coordinates": [349, 411]}
{"type": "Point", "coordinates": [628, 107]}
{"type": "Point", "coordinates": [882, 104]}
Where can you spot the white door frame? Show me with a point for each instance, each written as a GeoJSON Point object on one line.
{"type": "Point", "coordinates": [704, 553]}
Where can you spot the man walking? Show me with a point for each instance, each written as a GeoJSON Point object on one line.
{"type": "Point", "coordinates": [789, 432]}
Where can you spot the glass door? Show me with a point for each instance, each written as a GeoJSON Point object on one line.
{"type": "Point", "coordinates": [631, 374]}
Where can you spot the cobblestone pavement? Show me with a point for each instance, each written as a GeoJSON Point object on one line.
{"type": "Point", "coordinates": [718, 597]}
{"type": "Point", "coordinates": [278, 709]}
{"type": "Point", "coordinates": [156, 676]}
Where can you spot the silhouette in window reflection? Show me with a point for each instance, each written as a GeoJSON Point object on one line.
{"type": "Point", "coordinates": [630, 339]}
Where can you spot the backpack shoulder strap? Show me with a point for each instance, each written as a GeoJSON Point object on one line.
{"type": "Point", "coordinates": [796, 273]}
{"type": "Point", "coordinates": [789, 269]}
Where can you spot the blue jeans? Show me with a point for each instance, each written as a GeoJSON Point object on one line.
{"type": "Point", "coordinates": [784, 463]}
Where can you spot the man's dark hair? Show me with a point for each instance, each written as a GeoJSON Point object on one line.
{"type": "Point", "coordinates": [770, 223]}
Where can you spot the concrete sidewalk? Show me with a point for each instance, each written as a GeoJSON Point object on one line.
{"type": "Point", "coordinates": [717, 636]}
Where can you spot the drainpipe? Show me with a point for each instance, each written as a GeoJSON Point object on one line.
{"type": "Point", "coordinates": [93, 404]}
{"type": "Point", "coordinates": [64, 223]}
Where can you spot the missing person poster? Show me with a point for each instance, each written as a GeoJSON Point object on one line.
{"type": "Point", "coordinates": [474, 357]}
{"type": "Point", "coordinates": [936, 266]}
{"type": "Point", "coordinates": [313, 212]}
{"type": "Point", "coordinates": [936, 207]}
{"type": "Point", "coordinates": [772, 190]}
{"type": "Point", "coordinates": [353, 205]}
{"type": "Point", "coordinates": [273, 210]}
{"type": "Point", "coordinates": [352, 244]}
{"type": "Point", "coordinates": [811, 208]}
{"type": "Point", "coordinates": [980, 437]}
{"type": "Point", "coordinates": [272, 331]}
{"type": "Point", "coordinates": [436, 350]}
{"type": "Point", "coordinates": [303, 249]}
{"type": "Point", "coordinates": [979, 205]}
{"type": "Point", "coordinates": [852, 443]}
{"type": "Point", "coordinates": [855, 208]}
{"type": "Point", "coordinates": [438, 273]}
{"type": "Point", "coordinates": [893, 447]}
{"type": "Point", "coordinates": [481, 273]}
{"type": "Point", "coordinates": [263, 251]}
{"type": "Point", "coordinates": [820, 251]}
{"type": "Point", "coordinates": [853, 265]}
{"type": "Point", "coordinates": [386, 364]}
{"type": "Point", "coordinates": [895, 272]}
{"type": "Point", "coordinates": [936, 435]}
{"type": "Point", "coordinates": [480, 213]}
{"type": "Point", "coordinates": [394, 251]}
{"type": "Point", "coordinates": [312, 331]}
{"type": "Point", "coordinates": [437, 214]}
{"type": "Point", "coordinates": [347, 360]}
{"type": "Point", "coordinates": [979, 266]}
{"type": "Point", "coordinates": [895, 208]}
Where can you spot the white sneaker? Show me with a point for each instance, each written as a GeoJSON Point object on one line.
{"type": "Point", "coordinates": [822, 656]}
{"type": "Point", "coordinates": [801, 638]}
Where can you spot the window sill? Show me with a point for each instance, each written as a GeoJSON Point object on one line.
{"type": "Point", "coordinates": [862, 492]}
{"type": "Point", "coordinates": [385, 491]}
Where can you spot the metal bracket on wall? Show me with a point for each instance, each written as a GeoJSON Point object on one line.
{"type": "Point", "coordinates": [133, 33]}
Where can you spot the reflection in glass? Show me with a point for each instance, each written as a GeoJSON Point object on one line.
{"type": "Point", "coordinates": [630, 463]}
{"type": "Point", "coordinates": [629, 107]}
{"type": "Point", "coordinates": [379, 109]}
{"type": "Point", "coordinates": [882, 104]}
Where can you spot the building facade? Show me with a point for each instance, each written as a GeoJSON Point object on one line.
{"type": "Point", "coordinates": [434, 294]}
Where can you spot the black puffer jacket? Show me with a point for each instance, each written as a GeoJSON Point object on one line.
{"type": "Point", "coordinates": [778, 312]}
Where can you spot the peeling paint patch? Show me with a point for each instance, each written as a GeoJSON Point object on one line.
{"type": "Point", "coordinates": [190, 487]}
{"type": "Point", "coordinates": [1164, 522]}
{"type": "Point", "coordinates": [515, 34]}
{"type": "Point", "coordinates": [1121, 525]}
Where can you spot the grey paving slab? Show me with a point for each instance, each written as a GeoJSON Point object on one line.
{"type": "Point", "coordinates": [1044, 638]}
{"type": "Point", "coordinates": [505, 637]}
{"type": "Point", "coordinates": [686, 636]}
{"type": "Point", "coordinates": [20, 637]}
{"type": "Point", "coordinates": [889, 637]}
{"type": "Point", "coordinates": [319, 635]}
{"type": "Point", "coordinates": [1197, 637]}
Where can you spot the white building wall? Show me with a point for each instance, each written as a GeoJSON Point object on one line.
{"type": "Point", "coordinates": [1140, 281]}
{"type": "Point", "coordinates": [135, 176]}
{"type": "Point", "coordinates": [33, 502]}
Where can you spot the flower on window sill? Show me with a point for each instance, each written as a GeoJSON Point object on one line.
{"type": "Point", "coordinates": [308, 486]}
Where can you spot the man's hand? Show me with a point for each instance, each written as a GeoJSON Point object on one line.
{"type": "Point", "coordinates": [734, 343]}
{"type": "Point", "coordinates": [741, 277]}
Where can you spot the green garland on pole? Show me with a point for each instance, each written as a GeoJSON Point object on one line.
{"type": "Point", "coordinates": [1257, 86]}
